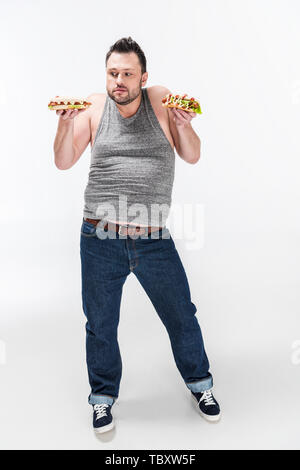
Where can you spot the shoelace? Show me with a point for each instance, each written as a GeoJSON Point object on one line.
{"type": "Point", "coordinates": [100, 410]}
{"type": "Point", "coordinates": [208, 398]}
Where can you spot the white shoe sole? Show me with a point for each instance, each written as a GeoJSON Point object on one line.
{"type": "Point", "coordinates": [211, 419]}
{"type": "Point", "coordinates": [106, 428]}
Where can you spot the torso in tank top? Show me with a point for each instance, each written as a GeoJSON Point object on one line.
{"type": "Point", "coordinates": [132, 157]}
{"type": "Point", "coordinates": [159, 111]}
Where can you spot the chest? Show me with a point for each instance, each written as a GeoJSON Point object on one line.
{"type": "Point", "coordinates": [160, 113]}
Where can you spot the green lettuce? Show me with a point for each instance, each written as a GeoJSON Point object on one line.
{"type": "Point", "coordinates": [196, 110]}
{"type": "Point", "coordinates": [73, 106]}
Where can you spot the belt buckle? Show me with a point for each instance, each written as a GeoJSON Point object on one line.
{"type": "Point", "coordinates": [120, 227]}
{"type": "Point", "coordinates": [138, 232]}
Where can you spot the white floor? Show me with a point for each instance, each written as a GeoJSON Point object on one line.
{"type": "Point", "coordinates": [44, 394]}
{"type": "Point", "coordinates": [44, 386]}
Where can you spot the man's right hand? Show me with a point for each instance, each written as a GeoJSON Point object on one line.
{"type": "Point", "coordinates": [69, 113]}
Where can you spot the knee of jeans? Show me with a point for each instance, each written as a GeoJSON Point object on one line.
{"type": "Point", "coordinates": [184, 311]}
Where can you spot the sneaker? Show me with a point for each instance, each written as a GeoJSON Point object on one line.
{"type": "Point", "coordinates": [207, 405]}
{"type": "Point", "coordinates": [102, 418]}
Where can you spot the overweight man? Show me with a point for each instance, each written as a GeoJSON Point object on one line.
{"type": "Point", "coordinates": [127, 201]}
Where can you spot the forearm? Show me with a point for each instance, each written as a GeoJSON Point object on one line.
{"type": "Point", "coordinates": [189, 144]}
{"type": "Point", "coordinates": [63, 144]}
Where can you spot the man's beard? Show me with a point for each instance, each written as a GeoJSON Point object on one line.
{"type": "Point", "coordinates": [131, 96]}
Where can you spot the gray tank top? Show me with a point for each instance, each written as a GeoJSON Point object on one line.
{"type": "Point", "coordinates": [132, 168]}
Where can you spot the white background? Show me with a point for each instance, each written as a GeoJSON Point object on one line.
{"type": "Point", "coordinates": [241, 59]}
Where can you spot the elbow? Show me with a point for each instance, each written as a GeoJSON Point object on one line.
{"type": "Point", "coordinates": [197, 155]}
{"type": "Point", "coordinates": [191, 160]}
{"type": "Point", "coordinates": [195, 160]}
{"type": "Point", "coordinates": [59, 166]}
{"type": "Point", "coordinates": [59, 158]}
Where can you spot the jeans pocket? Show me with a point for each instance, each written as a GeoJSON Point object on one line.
{"type": "Point", "coordinates": [88, 229]}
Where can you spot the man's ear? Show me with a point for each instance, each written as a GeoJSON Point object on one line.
{"type": "Point", "coordinates": [144, 78]}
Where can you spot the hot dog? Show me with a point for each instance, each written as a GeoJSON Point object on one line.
{"type": "Point", "coordinates": [181, 102]}
{"type": "Point", "coordinates": [68, 102]}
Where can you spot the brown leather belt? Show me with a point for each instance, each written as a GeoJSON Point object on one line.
{"type": "Point", "coordinates": [125, 229]}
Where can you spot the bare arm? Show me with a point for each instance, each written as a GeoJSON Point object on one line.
{"type": "Point", "coordinates": [72, 137]}
{"type": "Point", "coordinates": [63, 144]}
{"type": "Point", "coordinates": [187, 142]}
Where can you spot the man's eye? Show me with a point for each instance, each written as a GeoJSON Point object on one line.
{"type": "Point", "coordinates": [113, 73]}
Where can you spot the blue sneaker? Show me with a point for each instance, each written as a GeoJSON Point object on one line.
{"type": "Point", "coordinates": [207, 405]}
{"type": "Point", "coordinates": [102, 418]}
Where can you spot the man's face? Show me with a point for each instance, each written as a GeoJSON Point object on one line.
{"type": "Point", "coordinates": [123, 70]}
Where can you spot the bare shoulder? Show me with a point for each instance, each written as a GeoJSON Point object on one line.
{"type": "Point", "coordinates": [96, 96]}
{"type": "Point", "coordinates": [95, 111]}
{"type": "Point", "coordinates": [96, 99]}
{"type": "Point", "coordinates": [156, 94]}
{"type": "Point", "coordinates": [158, 91]}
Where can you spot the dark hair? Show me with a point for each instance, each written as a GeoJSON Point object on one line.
{"type": "Point", "coordinates": [128, 45]}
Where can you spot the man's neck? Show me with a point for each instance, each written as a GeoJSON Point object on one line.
{"type": "Point", "coordinates": [130, 109]}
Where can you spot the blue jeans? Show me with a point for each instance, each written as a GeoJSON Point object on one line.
{"type": "Point", "coordinates": [107, 258]}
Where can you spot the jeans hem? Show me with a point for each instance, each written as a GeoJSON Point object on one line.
{"type": "Point", "coordinates": [98, 399]}
{"type": "Point", "coordinates": [200, 385]}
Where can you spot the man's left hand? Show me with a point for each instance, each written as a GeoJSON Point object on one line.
{"type": "Point", "coordinates": [182, 118]}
